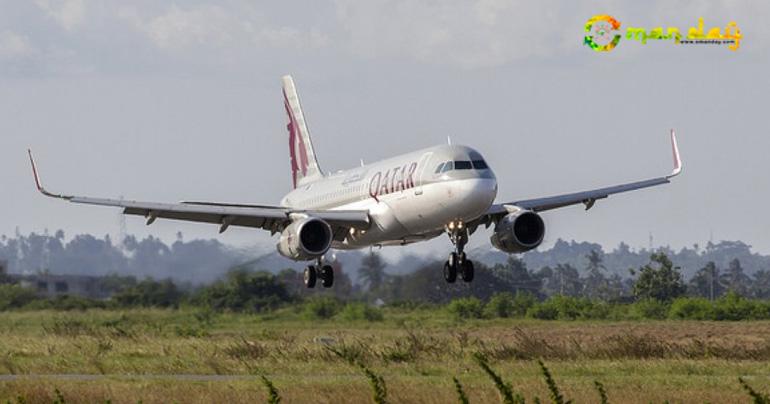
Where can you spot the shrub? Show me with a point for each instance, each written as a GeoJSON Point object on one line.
{"type": "Point", "coordinates": [15, 296]}
{"type": "Point", "coordinates": [568, 308]}
{"type": "Point", "coordinates": [508, 305]}
{"type": "Point", "coordinates": [734, 307]}
{"type": "Point", "coordinates": [65, 303]}
{"type": "Point", "coordinates": [691, 308]}
{"type": "Point", "coordinates": [522, 301]}
{"type": "Point", "coordinates": [650, 309]}
{"type": "Point", "coordinates": [244, 291]}
{"type": "Point", "coordinates": [499, 305]}
{"type": "Point", "coordinates": [466, 307]}
{"type": "Point", "coordinates": [597, 310]}
{"type": "Point", "coordinates": [321, 308]}
{"type": "Point", "coordinates": [361, 311]}
{"type": "Point", "coordinates": [546, 310]}
{"type": "Point", "coordinates": [150, 293]}
{"type": "Point", "coordinates": [410, 305]}
{"type": "Point", "coordinates": [619, 312]}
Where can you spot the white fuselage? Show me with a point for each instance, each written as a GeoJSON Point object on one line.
{"type": "Point", "coordinates": [409, 198]}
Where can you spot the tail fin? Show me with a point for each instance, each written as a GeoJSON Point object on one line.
{"type": "Point", "coordinates": [304, 166]}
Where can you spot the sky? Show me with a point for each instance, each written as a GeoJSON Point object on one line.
{"type": "Point", "coordinates": [168, 101]}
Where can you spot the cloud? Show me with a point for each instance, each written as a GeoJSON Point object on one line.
{"type": "Point", "coordinates": [214, 26]}
{"type": "Point", "coordinates": [14, 46]}
{"type": "Point", "coordinates": [72, 36]}
{"type": "Point", "coordinates": [68, 13]}
{"type": "Point", "coordinates": [181, 28]}
{"type": "Point", "coordinates": [466, 34]}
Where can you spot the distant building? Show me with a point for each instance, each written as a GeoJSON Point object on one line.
{"type": "Point", "coordinates": [50, 285]}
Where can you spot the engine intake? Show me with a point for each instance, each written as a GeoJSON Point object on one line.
{"type": "Point", "coordinates": [305, 239]}
{"type": "Point", "coordinates": [518, 232]}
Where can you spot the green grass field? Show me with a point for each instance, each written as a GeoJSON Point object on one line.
{"type": "Point", "coordinates": [417, 353]}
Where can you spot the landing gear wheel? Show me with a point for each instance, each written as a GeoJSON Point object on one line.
{"type": "Point", "coordinates": [452, 261]}
{"type": "Point", "coordinates": [327, 276]}
{"type": "Point", "coordinates": [310, 276]}
{"type": "Point", "coordinates": [450, 270]}
{"type": "Point", "coordinates": [466, 270]}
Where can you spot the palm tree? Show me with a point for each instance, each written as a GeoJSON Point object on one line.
{"type": "Point", "coordinates": [372, 271]}
{"type": "Point", "coordinates": [760, 288]}
{"type": "Point", "coordinates": [735, 279]}
{"type": "Point", "coordinates": [595, 284]}
{"type": "Point", "coordinates": [707, 282]}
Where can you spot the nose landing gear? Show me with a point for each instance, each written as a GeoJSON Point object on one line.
{"type": "Point", "coordinates": [457, 263]}
{"type": "Point", "coordinates": [323, 271]}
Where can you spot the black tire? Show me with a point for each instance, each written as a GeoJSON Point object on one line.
{"type": "Point", "coordinates": [452, 261]}
{"type": "Point", "coordinates": [327, 276]}
{"type": "Point", "coordinates": [310, 276]}
{"type": "Point", "coordinates": [450, 272]}
{"type": "Point", "coordinates": [467, 271]}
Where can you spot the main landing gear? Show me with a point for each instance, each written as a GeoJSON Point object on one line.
{"type": "Point", "coordinates": [457, 263]}
{"type": "Point", "coordinates": [321, 271]}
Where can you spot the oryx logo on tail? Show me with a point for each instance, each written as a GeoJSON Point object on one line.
{"type": "Point", "coordinates": [304, 166]}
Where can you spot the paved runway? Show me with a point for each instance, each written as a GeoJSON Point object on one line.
{"type": "Point", "coordinates": [87, 377]}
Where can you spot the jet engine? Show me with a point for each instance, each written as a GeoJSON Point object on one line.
{"type": "Point", "coordinates": [518, 232]}
{"type": "Point", "coordinates": [305, 239]}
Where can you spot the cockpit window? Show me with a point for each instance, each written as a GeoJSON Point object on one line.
{"type": "Point", "coordinates": [463, 165]}
{"type": "Point", "coordinates": [477, 163]}
{"type": "Point", "coordinates": [480, 164]}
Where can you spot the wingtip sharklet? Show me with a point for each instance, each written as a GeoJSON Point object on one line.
{"type": "Point", "coordinates": [34, 171]}
{"type": "Point", "coordinates": [39, 183]}
{"type": "Point", "coordinates": [677, 159]}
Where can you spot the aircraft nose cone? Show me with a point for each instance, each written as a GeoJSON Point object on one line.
{"type": "Point", "coordinates": [477, 195]}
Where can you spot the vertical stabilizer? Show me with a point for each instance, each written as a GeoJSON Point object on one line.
{"type": "Point", "coordinates": [304, 166]}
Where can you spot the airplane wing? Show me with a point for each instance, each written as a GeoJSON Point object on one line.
{"type": "Point", "coordinates": [588, 198]}
{"type": "Point", "coordinates": [272, 218]}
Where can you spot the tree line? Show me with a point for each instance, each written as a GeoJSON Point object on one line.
{"type": "Point", "coordinates": [656, 289]}
{"type": "Point", "coordinates": [657, 279]}
{"type": "Point", "coordinates": [204, 261]}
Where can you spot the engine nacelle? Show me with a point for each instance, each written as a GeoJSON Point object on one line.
{"type": "Point", "coordinates": [518, 232]}
{"type": "Point", "coordinates": [305, 239]}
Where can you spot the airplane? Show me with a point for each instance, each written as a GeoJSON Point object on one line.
{"type": "Point", "coordinates": [446, 189]}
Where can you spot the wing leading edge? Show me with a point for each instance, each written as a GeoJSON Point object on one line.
{"type": "Point", "coordinates": [588, 198]}
{"type": "Point", "coordinates": [272, 218]}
